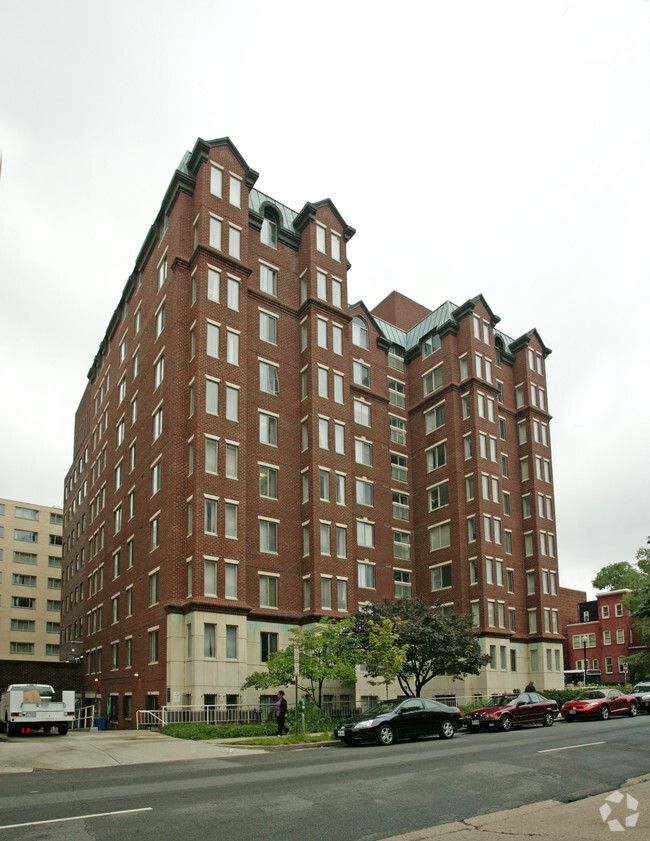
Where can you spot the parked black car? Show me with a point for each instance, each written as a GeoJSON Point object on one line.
{"type": "Point", "coordinates": [642, 694]}
{"type": "Point", "coordinates": [401, 718]}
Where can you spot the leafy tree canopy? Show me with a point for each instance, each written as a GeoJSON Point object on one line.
{"type": "Point", "coordinates": [328, 650]}
{"type": "Point", "coordinates": [436, 643]}
{"type": "Point", "coordinates": [383, 656]}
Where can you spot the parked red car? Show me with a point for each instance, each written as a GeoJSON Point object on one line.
{"type": "Point", "coordinates": [600, 703]}
{"type": "Point", "coordinates": [508, 711]}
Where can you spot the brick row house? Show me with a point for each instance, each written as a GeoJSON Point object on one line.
{"type": "Point", "coordinates": [606, 632]}
{"type": "Point", "coordinates": [252, 453]}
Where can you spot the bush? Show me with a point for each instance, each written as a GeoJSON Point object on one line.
{"type": "Point", "coordinates": [197, 732]}
{"type": "Point", "coordinates": [315, 720]}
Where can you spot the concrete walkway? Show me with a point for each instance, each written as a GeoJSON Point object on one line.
{"type": "Point", "coordinates": [623, 814]}
{"type": "Point", "coordinates": [99, 749]}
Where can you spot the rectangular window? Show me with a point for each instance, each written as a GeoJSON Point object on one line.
{"type": "Point", "coordinates": [437, 456]}
{"type": "Point", "coordinates": [230, 571]}
{"type": "Point", "coordinates": [362, 412]}
{"type": "Point", "coordinates": [268, 591]}
{"type": "Point", "coordinates": [363, 452]}
{"type": "Point", "coordinates": [268, 429]}
{"type": "Point", "coordinates": [216, 180]}
{"type": "Point", "coordinates": [268, 328]}
{"type": "Point", "coordinates": [396, 393]}
{"type": "Point", "coordinates": [439, 496]}
{"type": "Point", "coordinates": [401, 545]}
{"type": "Point", "coordinates": [440, 577]}
{"type": "Point", "coordinates": [366, 575]}
{"type": "Point", "coordinates": [231, 520]}
{"type": "Point", "coordinates": [269, 378]}
{"type": "Point", "coordinates": [439, 536]}
{"type": "Point", "coordinates": [397, 430]}
{"type": "Point", "coordinates": [341, 594]}
{"type": "Point", "coordinates": [325, 592]}
{"type": "Point", "coordinates": [361, 373]}
{"type": "Point", "coordinates": [268, 280]}
{"type": "Point", "coordinates": [209, 640]}
{"type": "Point", "coordinates": [232, 347]}
{"type": "Point", "coordinates": [341, 542]}
{"type": "Point", "coordinates": [214, 283]}
{"type": "Point", "coordinates": [268, 481]}
{"type": "Point", "coordinates": [400, 505]}
{"type": "Point", "coordinates": [215, 232]}
{"type": "Point", "coordinates": [398, 467]}
{"type": "Point", "coordinates": [365, 534]}
{"type": "Point", "coordinates": [210, 523]}
{"type": "Point", "coordinates": [209, 578]}
{"type": "Point", "coordinates": [402, 584]}
{"type": "Point", "coordinates": [231, 642]}
{"type": "Point", "coordinates": [268, 536]}
{"type": "Point", "coordinates": [268, 644]}
{"type": "Point", "coordinates": [434, 418]}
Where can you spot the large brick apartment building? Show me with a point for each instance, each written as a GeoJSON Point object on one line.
{"type": "Point", "coordinates": [252, 453]}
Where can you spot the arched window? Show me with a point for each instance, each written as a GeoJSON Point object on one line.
{"type": "Point", "coordinates": [359, 332]}
{"type": "Point", "coordinates": [269, 234]}
{"type": "Point", "coordinates": [498, 352]}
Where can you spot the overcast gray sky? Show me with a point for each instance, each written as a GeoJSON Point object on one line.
{"type": "Point", "coordinates": [494, 147]}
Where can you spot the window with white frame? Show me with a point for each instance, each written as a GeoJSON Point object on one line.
{"type": "Point", "coordinates": [268, 590]}
{"type": "Point", "coordinates": [268, 280]}
{"type": "Point", "coordinates": [440, 577]}
{"type": "Point", "coordinates": [269, 382]}
{"type": "Point", "coordinates": [269, 536]}
{"type": "Point", "coordinates": [361, 373]}
{"type": "Point", "coordinates": [365, 533]}
{"type": "Point", "coordinates": [366, 575]}
{"type": "Point", "coordinates": [436, 456]}
{"type": "Point", "coordinates": [268, 328]}
{"type": "Point", "coordinates": [439, 536]}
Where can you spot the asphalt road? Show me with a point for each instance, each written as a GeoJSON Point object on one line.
{"type": "Point", "coordinates": [332, 793]}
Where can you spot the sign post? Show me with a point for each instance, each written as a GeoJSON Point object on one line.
{"type": "Point", "coordinates": [296, 672]}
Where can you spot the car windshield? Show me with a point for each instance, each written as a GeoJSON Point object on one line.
{"type": "Point", "coordinates": [503, 700]}
{"type": "Point", "coordinates": [383, 707]}
{"type": "Point", "coordinates": [642, 687]}
{"type": "Point", "coordinates": [593, 695]}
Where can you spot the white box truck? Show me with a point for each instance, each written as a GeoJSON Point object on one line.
{"type": "Point", "coordinates": [36, 706]}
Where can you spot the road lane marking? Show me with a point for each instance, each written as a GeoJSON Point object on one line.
{"type": "Point", "coordinates": [77, 818]}
{"type": "Point", "coordinates": [571, 747]}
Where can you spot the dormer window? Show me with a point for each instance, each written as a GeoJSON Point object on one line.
{"type": "Point", "coordinates": [269, 233]}
{"type": "Point", "coordinates": [359, 332]}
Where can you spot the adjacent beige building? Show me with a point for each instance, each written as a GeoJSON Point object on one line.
{"type": "Point", "coordinates": [30, 581]}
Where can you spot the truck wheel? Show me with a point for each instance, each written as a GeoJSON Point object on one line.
{"type": "Point", "coordinates": [12, 730]}
{"type": "Point", "coordinates": [63, 729]}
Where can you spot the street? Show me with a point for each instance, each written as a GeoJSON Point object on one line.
{"type": "Point", "coordinates": [331, 793]}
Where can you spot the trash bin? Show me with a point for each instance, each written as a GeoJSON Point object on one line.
{"type": "Point", "coordinates": [99, 723]}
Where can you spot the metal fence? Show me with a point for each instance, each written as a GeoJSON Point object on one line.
{"type": "Point", "coordinates": [203, 714]}
{"type": "Point", "coordinates": [83, 718]}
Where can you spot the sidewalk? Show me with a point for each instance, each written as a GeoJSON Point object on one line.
{"type": "Point", "coordinates": [99, 749]}
{"type": "Point", "coordinates": [551, 820]}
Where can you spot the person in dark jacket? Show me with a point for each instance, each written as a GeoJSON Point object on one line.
{"type": "Point", "coordinates": [281, 713]}
{"type": "Point", "coordinates": [530, 687]}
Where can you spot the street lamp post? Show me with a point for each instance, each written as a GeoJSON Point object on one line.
{"type": "Point", "coordinates": [585, 640]}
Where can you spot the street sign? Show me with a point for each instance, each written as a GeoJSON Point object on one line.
{"type": "Point", "coordinates": [625, 668]}
{"type": "Point", "coordinates": [296, 661]}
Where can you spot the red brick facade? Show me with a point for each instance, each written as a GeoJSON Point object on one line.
{"type": "Point", "coordinates": [346, 455]}
{"type": "Point", "coordinates": [611, 637]}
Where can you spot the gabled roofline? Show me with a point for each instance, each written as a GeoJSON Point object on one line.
{"type": "Point", "coordinates": [470, 305]}
{"type": "Point", "coordinates": [308, 214]}
{"type": "Point", "coordinates": [201, 153]}
{"type": "Point", "coordinates": [524, 341]}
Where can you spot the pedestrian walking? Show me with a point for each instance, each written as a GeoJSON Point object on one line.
{"type": "Point", "coordinates": [281, 713]}
{"type": "Point", "coordinates": [530, 687]}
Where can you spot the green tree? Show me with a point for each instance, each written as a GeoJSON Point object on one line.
{"type": "Point", "coordinates": [328, 650]}
{"type": "Point", "coordinates": [383, 656]}
{"type": "Point", "coordinates": [436, 643]}
{"type": "Point", "coordinates": [618, 576]}
{"type": "Point", "coordinates": [621, 576]}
